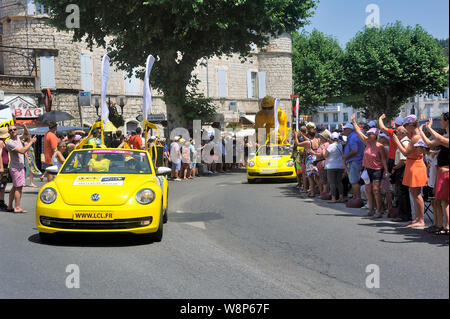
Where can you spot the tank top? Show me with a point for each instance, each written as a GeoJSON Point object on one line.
{"type": "Point", "coordinates": [55, 161]}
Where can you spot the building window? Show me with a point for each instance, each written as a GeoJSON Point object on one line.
{"type": "Point", "coordinates": [345, 115]}
{"type": "Point", "coordinates": [86, 73]}
{"type": "Point", "coordinates": [47, 66]}
{"type": "Point", "coordinates": [444, 108]}
{"type": "Point", "coordinates": [251, 84]}
{"type": "Point", "coordinates": [428, 110]}
{"type": "Point", "coordinates": [132, 84]}
{"type": "Point", "coordinates": [335, 117]}
{"type": "Point", "coordinates": [35, 8]}
{"type": "Point", "coordinates": [222, 82]}
{"type": "Point", "coordinates": [325, 118]}
{"type": "Point", "coordinates": [358, 115]}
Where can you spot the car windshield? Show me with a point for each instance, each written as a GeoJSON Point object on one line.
{"type": "Point", "coordinates": [274, 150]}
{"type": "Point", "coordinates": [106, 161]}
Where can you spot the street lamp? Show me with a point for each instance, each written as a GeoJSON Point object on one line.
{"type": "Point", "coordinates": [96, 103]}
{"type": "Point", "coordinates": [121, 101]}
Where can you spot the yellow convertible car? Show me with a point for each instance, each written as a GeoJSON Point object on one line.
{"type": "Point", "coordinates": [104, 190]}
{"type": "Point", "coordinates": [271, 161]}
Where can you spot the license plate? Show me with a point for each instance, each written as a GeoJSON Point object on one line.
{"type": "Point", "coordinates": [93, 216]}
{"type": "Point", "coordinates": [268, 172]}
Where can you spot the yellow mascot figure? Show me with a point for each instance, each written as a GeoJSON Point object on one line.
{"type": "Point", "coordinates": [265, 118]}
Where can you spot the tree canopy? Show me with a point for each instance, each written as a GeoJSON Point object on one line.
{"type": "Point", "coordinates": [387, 65]}
{"type": "Point", "coordinates": [179, 33]}
{"type": "Point", "coordinates": [317, 68]}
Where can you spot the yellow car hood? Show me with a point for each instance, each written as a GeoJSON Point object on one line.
{"type": "Point", "coordinates": [113, 189]}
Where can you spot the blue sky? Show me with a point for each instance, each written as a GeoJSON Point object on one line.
{"type": "Point", "coordinates": [343, 18]}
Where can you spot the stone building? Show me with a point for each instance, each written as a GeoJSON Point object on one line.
{"type": "Point", "coordinates": [34, 56]}
{"type": "Point", "coordinates": [426, 106]}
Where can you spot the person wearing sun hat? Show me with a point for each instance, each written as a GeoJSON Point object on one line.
{"type": "Point", "coordinates": [415, 176]}
{"type": "Point", "coordinates": [375, 164]}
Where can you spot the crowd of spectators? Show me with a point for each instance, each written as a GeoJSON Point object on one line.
{"type": "Point", "coordinates": [391, 169]}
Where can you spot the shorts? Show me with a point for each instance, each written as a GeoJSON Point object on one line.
{"type": "Point", "coordinates": [375, 175]}
{"type": "Point", "coordinates": [354, 169]}
{"type": "Point", "coordinates": [176, 166]}
{"type": "Point", "coordinates": [17, 176]}
{"type": "Point", "coordinates": [192, 165]}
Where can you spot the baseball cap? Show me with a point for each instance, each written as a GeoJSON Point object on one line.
{"type": "Point", "coordinates": [383, 135]}
{"type": "Point", "coordinates": [372, 124]}
{"type": "Point", "coordinates": [77, 137]}
{"type": "Point", "coordinates": [349, 126]}
{"type": "Point", "coordinates": [335, 136]}
{"type": "Point", "coordinates": [373, 130]}
{"type": "Point", "coordinates": [398, 121]}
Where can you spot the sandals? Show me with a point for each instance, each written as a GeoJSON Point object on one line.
{"type": "Point", "coordinates": [442, 231]}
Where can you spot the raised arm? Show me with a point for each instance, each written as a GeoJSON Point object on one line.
{"type": "Point", "coordinates": [358, 130]}
{"type": "Point", "coordinates": [429, 143]}
{"type": "Point", "coordinates": [383, 127]}
{"type": "Point", "coordinates": [442, 140]}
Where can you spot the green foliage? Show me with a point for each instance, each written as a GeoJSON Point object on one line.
{"type": "Point", "coordinates": [443, 44]}
{"type": "Point", "coordinates": [389, 64]}
{"type": "Point", "coordinates": [167, 29]}
{"type": "Point", "coordinates": [317, 68]}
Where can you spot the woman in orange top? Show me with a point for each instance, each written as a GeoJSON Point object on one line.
{"type": "Point", "coordinates": [415, 176]}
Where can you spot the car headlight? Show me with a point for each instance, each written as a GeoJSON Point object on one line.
{"type": "Point", "coordinates": [145, 196]}
{"type": "Point", "coordinates": [290, 163]}
{"type": "Point", "coordinates": [251, 164]}
{"type": "Point", "coordinates": [48, 195]}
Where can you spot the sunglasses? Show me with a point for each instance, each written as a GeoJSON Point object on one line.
{"type": "Point", "coordinates": [12, 130]}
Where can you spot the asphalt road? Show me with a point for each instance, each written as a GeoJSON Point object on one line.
{"type": "Point", "coordinates": [228, 239]}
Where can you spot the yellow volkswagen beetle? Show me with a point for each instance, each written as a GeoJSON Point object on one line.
{"type": "Point", "coordinates": [271, 161]}
{"type": "Point", "coordinates": [104, 190]}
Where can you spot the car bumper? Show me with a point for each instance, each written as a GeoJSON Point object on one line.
{"type": "Point", "coordinates": [258, 173]}
{"type": "Point", "coordinates": [142, 219]}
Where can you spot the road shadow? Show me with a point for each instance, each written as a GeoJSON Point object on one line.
{"type": "Point", "coordinates": [92, 240]}
{"type": "Point", "coordinates": [409, 235]}
{"type": "Point", "coordinates": [188, 217]}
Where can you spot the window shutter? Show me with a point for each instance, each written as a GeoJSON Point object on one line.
{"type": "Point", "coordinates": [261, 84]}
{"type": "Point", "coordinates": [47, 72]}
{"type": "Point", "coordinates": [86, 75]}
{"type": "Point", "coordinates": [222, 81]}
{"type": "Point", "coordinates": [132, 85]}
{"type": "Point", "coordinates": [249, 85]}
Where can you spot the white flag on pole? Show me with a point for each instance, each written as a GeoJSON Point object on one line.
{"type": "Point", "coordinates": [275, 111]}
{"type": "Point", "coordinates": [105, 75]}
{"type": "Point", "coordinates": [147, 98]}
{"type": "Point", "coordinates": [297, 107]}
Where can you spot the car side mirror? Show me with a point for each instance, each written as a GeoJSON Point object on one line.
{"type": "Point", "coordinates": [163, 171]}
{"type": "Point", "coordinates": [53, 170]}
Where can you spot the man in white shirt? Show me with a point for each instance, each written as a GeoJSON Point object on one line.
{"type": "Point", "coordinates": [175, 157]}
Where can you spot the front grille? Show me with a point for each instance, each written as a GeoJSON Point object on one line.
{"type": "Point", "coordinates": [95, 224]}
{"type": "Point", "coordinates": [272, 175]}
